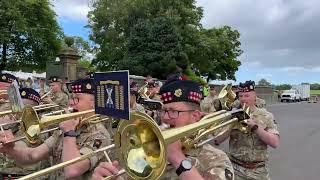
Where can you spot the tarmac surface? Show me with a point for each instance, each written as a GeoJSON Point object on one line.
{"type": "Point", "coordinates": [297, 157]}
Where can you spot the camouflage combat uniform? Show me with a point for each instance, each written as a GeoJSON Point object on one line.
{"type": "Point", "coordinates": [138, 107]}
{"type": "Point", "coordinates": [207, 104]}
{"type": "Point", "coordinates": [249, 149]}
{"type": "Point", "coordinates": [8, 166]}
{"type": "Point", "coordinates": [260, 103]}
{"type": "Point", "coordinates": [91, 138]}
{"type": "Point", "coordinates": [59, 98]}
{"type": "Point", "coordinates": [210, 162]}
{"type": "Point", "coordinates": [5, 106]}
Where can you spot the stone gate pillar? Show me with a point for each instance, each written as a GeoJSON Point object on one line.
{"type": "Point", "coordinates": [69, 61]}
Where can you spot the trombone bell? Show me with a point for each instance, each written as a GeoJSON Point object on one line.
{"type": "Point", "coordinates": [143, 148]}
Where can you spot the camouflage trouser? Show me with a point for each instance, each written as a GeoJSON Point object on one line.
{"type": "Point", "coordinates": [241, 173]}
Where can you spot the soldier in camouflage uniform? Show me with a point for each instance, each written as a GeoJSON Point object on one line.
{"type": "Point", "coordinates": [8, 167]}
{"type": "Point", "coordinates": [57, 96]}
{"type": "Point", "coordinates": [207, 104]}
{"type": "Point", "coordinates": [249, 151]}
{"type": "Point", "coordinates": [260, 103]}
{"type": "Point", "coordinates": [71, 142]}
{"type": "Point", "coordinates": [153, 89]}
{"type": "Point", "coordinates": [181, 100]}
{"type": "Point", "coordinates": [133, 98]}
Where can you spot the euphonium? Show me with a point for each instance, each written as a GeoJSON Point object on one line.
{"type": "Point", "coordinates": [226, 98]}
{"type": "Point", "coordinates": [141, 145]}
{"type": "Point", "coordinates": [143, 92]}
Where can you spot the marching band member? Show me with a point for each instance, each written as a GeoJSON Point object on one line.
{"type": "Point", "coordinates": [181, 99]}
{"type": "Point", "coordinates": [70, 142]}
{"type": "Point", "coordinates": [8, 167]}
{"type": "Point", "coordinates": [57, 95]}
{"type": "Point", "coordinates": [249, 151]}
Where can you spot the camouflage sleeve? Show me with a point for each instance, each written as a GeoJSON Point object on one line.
{"type": "Point", "coordinates": [94, 141]}
{"type": "Point", "coordinates": [205, 105]}
{"type": "Point", "coordinates": [272, 126]}
{"type": "Point", "coordinates": [52, 141]}
{"type": "Point", "coordinates": [215, 164]}
{"type": "Point", "coordinates": [62, 100]}
{"type": "Point", "coordinates": [268, 122]}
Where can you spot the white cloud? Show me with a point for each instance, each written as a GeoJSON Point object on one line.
{"type": "Point", "coordinates": [72, 9]}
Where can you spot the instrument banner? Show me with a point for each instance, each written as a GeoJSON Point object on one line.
{"type": "Point", "coordinates": [112, 94]}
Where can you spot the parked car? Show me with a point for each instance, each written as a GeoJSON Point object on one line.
{"type": "Point", "coordinates": [291, 95]}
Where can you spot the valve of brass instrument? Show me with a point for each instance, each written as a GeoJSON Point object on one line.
{"type": "Point", "coordinates": [226, 98]}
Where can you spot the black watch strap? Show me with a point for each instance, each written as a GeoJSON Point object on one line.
{"type": "Point", "coordinates": [185, 165]}
{"type": "Point", "coordinates": [71, 133]}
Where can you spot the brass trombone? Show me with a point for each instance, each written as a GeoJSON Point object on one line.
{"type": "Point", "coordinates": [32, 126]}
{"type": "Point", "coordinates": [46, 94]}
{"type": "Point", "coordinates": [37, 108]}
{"type": "Point", "coordinates": [141, 145]}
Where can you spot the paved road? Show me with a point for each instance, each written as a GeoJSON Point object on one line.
{"type": "Point", "coordinates": [298, 157]}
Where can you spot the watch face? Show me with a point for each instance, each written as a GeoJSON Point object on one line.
{"type": "Point", "coordinates": [186, 164]}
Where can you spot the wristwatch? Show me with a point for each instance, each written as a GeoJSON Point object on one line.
{"type": "Point", "coordinates": [254, 128]}
{"type": "Point", "coordinates": [71, 133]}
{"type": "Point", "coordinates": [185, 165]}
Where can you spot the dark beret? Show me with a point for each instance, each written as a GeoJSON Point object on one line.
{"type": "Point", "coordinates": [82, 86]}
{"type": "Point", "coordinates": [181, 91]}
{"type": "Point", "coordinates": [246, 86]}
{"type": "Point", "coordinates": [29, 93]}
{"type": "Point", "coordinates": [7, 78]}
{"type": "Point", "coordinates": [54, 79]}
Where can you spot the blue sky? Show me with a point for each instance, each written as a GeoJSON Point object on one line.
{"type": "Point", "coordinates": [279, 38]}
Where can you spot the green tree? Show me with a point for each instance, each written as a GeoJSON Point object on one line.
{"type": "Point", "coordinates": [283, 87]}
{"type": "Point", "coordinates": [29, 34]}
{"type": "Point", "coordinates": [264, 82]}
{"type": "Point", "coordinates": [153, 48]}
{"type": "Point", "coordinates": [209, 52]}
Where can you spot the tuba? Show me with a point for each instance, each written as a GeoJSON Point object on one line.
{"type": "Point", "coordinates": [141, 140]}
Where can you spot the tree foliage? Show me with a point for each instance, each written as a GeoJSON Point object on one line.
{"type": "Point", "coordinates": [161, 34]}
{"type": "Point", "coordinates": [264, 82]}
{"type": "Point", "coordinates": [283, 87]}
{"type": "Point", "coordinates": [29, 34]}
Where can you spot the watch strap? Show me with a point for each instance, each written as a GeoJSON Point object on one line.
{"type": "Point", "coordinates": [71, 133]}
{"type": "Point", "coordinates": [181, 169]}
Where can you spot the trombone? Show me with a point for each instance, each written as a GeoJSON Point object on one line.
{"type": "Point", "coordinates": [32, 126]}
{"type": "Point", "coordinates": [46, 94]}
{"type": "Point", "coordinates": [37, 108]}
{"type": "Point", "coordinates": [141, 145]}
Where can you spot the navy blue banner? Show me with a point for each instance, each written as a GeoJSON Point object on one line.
{"type": "Point", "coordinates": [112, 94]}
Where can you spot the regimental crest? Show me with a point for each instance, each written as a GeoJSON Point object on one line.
{"type": "Point", "coordinates": [178, 92]}
{"type": "Point", "coordinates": [23, 93]}
{"type": "Point", "coordinates": [88, 86]}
